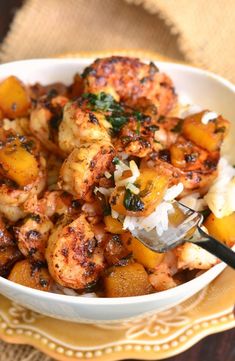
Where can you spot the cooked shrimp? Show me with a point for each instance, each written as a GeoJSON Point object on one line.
{"type": "Point", "coordinates": [74, 257]}
{"type": "Point", "coordinates": [137, 137]}
{"type": "Point", "coordinates": [45, 120]}
{"type": "Point", "coordinates": [54, 164]}
{"type": "Point", "coordinates": [131, 81]}
{"type": "Point", "coordinates": [84, 167]}
{"type": "Point", "coordinates": [17, 154]}
{"type": "Point", "coordinates": [191, 256]}
{"type": "Point", "coordinates": [32, 236]}
{"type": "Point", "coordinates": [6, 238]}
{"type": "Point", "coordinates": [81, 125]}
{"type": "Point", "coordinates": [163, 276]}
{"type": "Point", "coordinates": [187, 163]}
{"type": "Point", "coordinates": [52, 203]}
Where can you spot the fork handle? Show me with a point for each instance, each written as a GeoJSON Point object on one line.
{"type": "Point", "coordinates": [215, 247]}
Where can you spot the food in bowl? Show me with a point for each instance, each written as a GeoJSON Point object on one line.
{"type": "Point", "coordinates": [85, 164]}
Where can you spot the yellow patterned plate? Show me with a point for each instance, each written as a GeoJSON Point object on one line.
{"type": "Point", "coordinates": [156, 337]}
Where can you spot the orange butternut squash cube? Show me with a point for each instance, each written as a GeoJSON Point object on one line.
{"type": "Point", "coordinates": [140, 253]}
{"type": "Point", "coordinates": [152, 186]}
{"type": "Point", "coordinates": [28, 275]}
{"type": "Point", "coordinates": [208, 136]}
{"type": "Point", "coordinates": [126, 281]}
{"type": "Point", "coordinates": [113, 225]}
{"type": "Point", "coordinates": [222, 229]}
{"type": "Point", "coordinates": [14, 99]}
{"type": "Point", "coordinates": [18, 164]}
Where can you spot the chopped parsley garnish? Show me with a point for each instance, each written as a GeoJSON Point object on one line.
{"type": "Point", "coordinates": [178, 127]}
{"type": "Point", "coordinates": [116, 114]}
{"type": "Point", "coordinates": [103, 101]}
{"type": "Point", "coordinates": [117, 121]}
{"type": "Point", "coordinates": [116, 160]}
{"type": "Point", "coordinates": [132, 202]}
{"type": "Point", "coordinates": [205, 213]}
{"type": "Point", "coordinates": [220, 130]}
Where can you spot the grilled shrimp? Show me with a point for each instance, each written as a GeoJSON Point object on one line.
{"type": "Point", "coordinates": [81, 125]}
{"type": "Point", "coordinates": [187, 163]}
{"type": "Point", "coordinates": [45, 120]}
{"type": "Point", "coordinates": [162, 277]}
{"type": "Point", "coordinates": [18, 153]}
{"type": "Point", "coordinates": [191, 256]}
{"type": "Point", "coordinates": [74, 257]}
{"type": "Point", "coordinates": [131, 81]}
{"type": "Point", "coordinates": [137, 137]}
{"type": "Point", "coordinates": [52, 203]}
{"type": "Point", "coordinates": [32, 236]}
{"type": "Point", "coordinates": [84, 168]}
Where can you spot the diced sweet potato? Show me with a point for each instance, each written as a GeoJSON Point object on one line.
{"type": "Point", "coordinates": [116, 252]}
{"type": "Point", "coordinates": [125, 281]}
{"type": "Point", "coordinates": [14, 99]}
{"type": "Point", "coordinates": [222, 229]}
{"type": "Point", "coordinates": [141, 254]}
{"type": "Point", "coordinates": [18, 164]}
{"type": "Point", "coordinates": [162, 279]}
{"type": "Point", "coordinates": [152, 186]}
{"type": "Point", "coordinates": [8, 256]}
{"type": "Point", "coordinates": [31, 276]}
{"type": "Point", "coordinates": [113, 225]}
{"type": "Point", "coordinates": [208, 136]}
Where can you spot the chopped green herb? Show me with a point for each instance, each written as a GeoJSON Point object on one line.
{"type": "Point", "coordinates": [206, 212]}
{"type": "Point", "coordinates": [178, 127]}
{"type": "Point", "coordinates": [117, 121]}
{"type": "Point", "coordinates": [107, 210]}
{"type": "Point", "coordinates": [116, 160]}
{"type": "Point", "coordinates": [132, 202]}
{"type": "Point", "coordinates": [103, 101]}
{"type": "Point", "coordinates": [220, 130]}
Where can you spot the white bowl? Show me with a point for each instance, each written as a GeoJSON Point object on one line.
{"type": "Point", "coordinates": [203, 88]}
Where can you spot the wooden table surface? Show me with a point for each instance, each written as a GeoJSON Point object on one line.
{"type": "Point", "coordinates": [218, 347]}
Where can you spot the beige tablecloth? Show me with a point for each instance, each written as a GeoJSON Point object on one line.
{"type": "Point", "coordinates": [200, 31]}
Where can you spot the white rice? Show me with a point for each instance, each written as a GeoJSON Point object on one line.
{"type": "Point", "coordinates": [70, 292]}
{"type": "Point", "coordinates": [173, 192]}
{"type": "Point", "coordinates": [186, 107]}
{"type": "Point", "coordinates": [194, 202]}
{"type": "Point", "coordinates": [221, 196]}
{"type": "Point", "coordinates": [157, 219]}
{"type": "Point", "coordinates": [120, 168]}
{"type": "Point", "coordinates": [208, 116]}
{"type": "Point", "coordinates": [105, 191]}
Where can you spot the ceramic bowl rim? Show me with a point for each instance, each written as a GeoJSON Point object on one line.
{"type": "Point", "coordinates": [117, 300]}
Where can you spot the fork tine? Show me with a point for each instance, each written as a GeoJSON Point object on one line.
{"type": "Point", "coordinates": [174, 235]}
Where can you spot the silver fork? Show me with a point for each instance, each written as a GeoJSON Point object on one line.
{"type": "Point", "coordinates": [186, 230]}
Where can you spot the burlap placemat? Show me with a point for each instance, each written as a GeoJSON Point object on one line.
{"type": "Point", "coordinates": [200, 31]}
